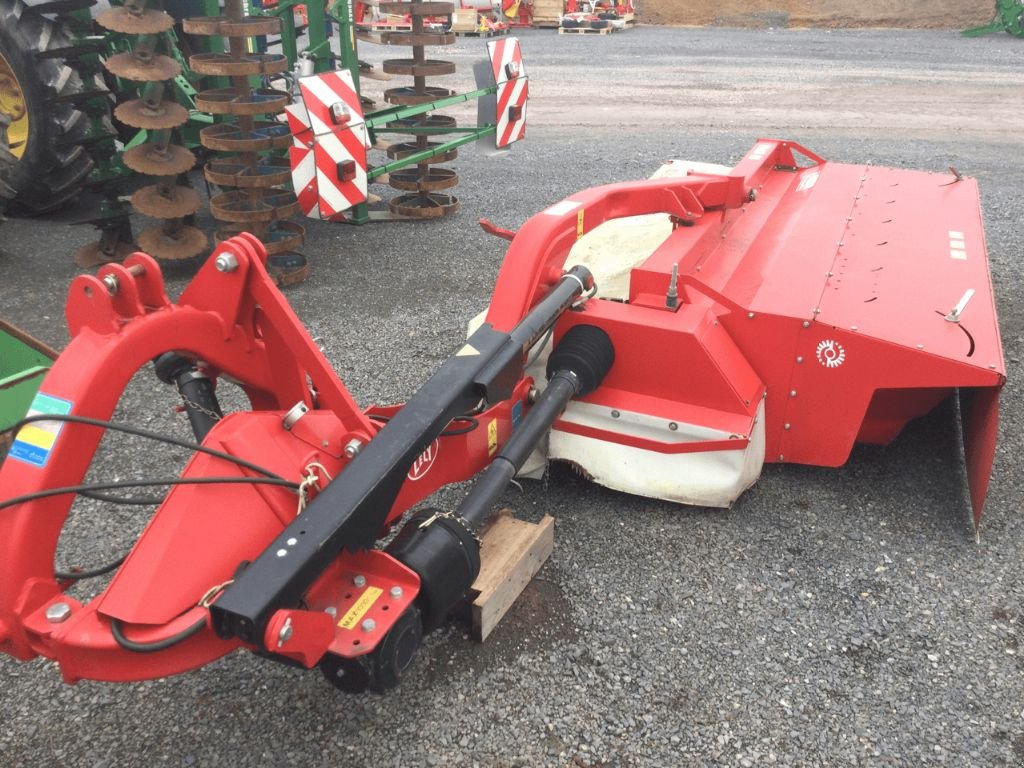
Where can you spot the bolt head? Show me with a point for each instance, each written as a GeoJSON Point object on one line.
{"type": "Point", "coordinates": [353, 447]}
{"type": "Point", "coordinates": [112, 284]}
{"type": "Point", "coordinates": [226, 262]}
{"type": "Point", "coordinates": [368, 625]}
{"type": "Point", "coordinates": [359, 581]}
{"type": "Point", "coordinates": [282, 552]}
{"type": "Point", "coordinates": [799, 358]}
{"type": "Point", "coordinates": [58, 612]}
{"type": "Point", "coordinates": [792, 393]}
{"type": "Point", "coordinates": [786, 426]}
{"type": "Point", "coordinates": [331, 611]}
{"type": "Point", "coordinates": [673, 426]}
{"type": "Point", "coordinates": [396, 591]}
{"type": "Point", "coordinates": [285, 634]}
{"type": "Point", "coordinates": [806, 324]}
{"type": "Point", "coordinates": [615, 414]}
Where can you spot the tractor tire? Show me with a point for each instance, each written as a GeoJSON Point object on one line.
{"type": "Point", "coordinates": [46, 127]}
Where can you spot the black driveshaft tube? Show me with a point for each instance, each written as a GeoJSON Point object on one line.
{"type": "Point", "coordinates": [576, 367]}
{"type": "Point", "coordinates": [196, 391]}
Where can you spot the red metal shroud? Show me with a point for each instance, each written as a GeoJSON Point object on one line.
{"type": "Point", "coordinates": [835, 284]}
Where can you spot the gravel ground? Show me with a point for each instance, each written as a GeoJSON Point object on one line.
{"type": "Point", "coordinates": [832, 617]}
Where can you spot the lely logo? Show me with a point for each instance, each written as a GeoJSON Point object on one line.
{"type": "Point", "coordinates": [425, 461]}
{"type": "Point", "coordinates": [830, 353]}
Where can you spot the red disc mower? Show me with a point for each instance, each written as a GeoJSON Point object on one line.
{"type": "Point", "coordinates": [794, 307]}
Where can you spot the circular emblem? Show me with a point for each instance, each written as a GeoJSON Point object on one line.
{"type": "Point", "coordinates": [830, 353]}
{"type": "Point", "coordinates": [424, 461]}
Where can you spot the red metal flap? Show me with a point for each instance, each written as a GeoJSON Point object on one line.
{"type": "Point", "coordinates": [979, 411]}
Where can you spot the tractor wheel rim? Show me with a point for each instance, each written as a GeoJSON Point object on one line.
{"type": "Point", "coordinates": [12, 103]}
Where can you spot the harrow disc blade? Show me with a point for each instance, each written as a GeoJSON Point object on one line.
{"type": "Point", "coordinates": [138, 114]}
{"type": "Point", "coordinates": [129, 66]}
{"type": "Point", "coordinates": [152, 160]}
{"type": "Point", "coordinates": [178, 245]}
{"type": "Point", "coordinates": [148, 22]}
{"type": "Point", "coordinates": [172, 204]}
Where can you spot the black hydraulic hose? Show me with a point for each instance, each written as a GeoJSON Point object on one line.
{"type": "Point", "coordinates": [48, 492]}
{"type": "Point", "coordinates": [158, 645]}
{"type": "Point", "coordinates": [138, 432]}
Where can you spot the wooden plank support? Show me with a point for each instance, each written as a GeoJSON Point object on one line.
{"type": "Point", "coordinates": [512, 552]}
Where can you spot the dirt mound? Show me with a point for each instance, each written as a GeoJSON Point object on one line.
{"type": "Point", "coordinates": [914, 14]}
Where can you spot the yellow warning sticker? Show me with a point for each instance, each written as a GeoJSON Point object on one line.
{"type": "Point", "coordinates": [579, 224]}
{"type": "Point", "coordinates": [467, 351]}
{"type": "Point", "coordinates": [492, 436]}
{"type": "Point", "coordinates": [363, 604]}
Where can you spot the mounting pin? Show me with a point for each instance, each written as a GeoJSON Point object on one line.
{"type": "Point", "coordinates": [286, 633]}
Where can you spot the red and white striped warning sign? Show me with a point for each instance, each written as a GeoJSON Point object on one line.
{"type": "Point", "coordinates": [340, 170]}
{"type": "Point", "coordinates": [304, 183]}
{"type": "Point", "coordinates": [298, 124]}
{"type": "Point", "coordinates": [513, 89]}
{"type": "Point", "coordinates": [328, 159]}
{"type": "Point", "coordinates": [331, 101]}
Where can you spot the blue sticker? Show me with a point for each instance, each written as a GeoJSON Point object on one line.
{"type": "Point", "coordinates": [517, 413]}
{"type": "Point", "coordinates": [34, 442]}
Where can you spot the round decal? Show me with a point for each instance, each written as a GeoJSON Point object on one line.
{"type": "Point", "coordinates": [830, 353]}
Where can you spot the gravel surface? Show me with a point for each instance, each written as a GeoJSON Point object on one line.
{"type": "Point", "coordinates": [832, 617]}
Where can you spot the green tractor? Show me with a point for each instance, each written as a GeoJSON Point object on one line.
{"type": "Point", "coordinates": [43, 98]}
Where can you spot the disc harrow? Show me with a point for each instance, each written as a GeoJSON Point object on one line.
{"type": "Point", "coordinates": [147, 63]}
{"type": "Point", "coordinates": [256, 194]}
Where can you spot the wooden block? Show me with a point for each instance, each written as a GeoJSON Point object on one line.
{"type": "Point", "coordinates": [512, 552]}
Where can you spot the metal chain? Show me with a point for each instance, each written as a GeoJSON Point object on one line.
{"type": "Point", "coordinates": [197, 407]}
{"type": "Point", "coordinates": [457, 519]}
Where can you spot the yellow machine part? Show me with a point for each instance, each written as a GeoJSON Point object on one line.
{"type": "Point", "coordinates": [12, 103]}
